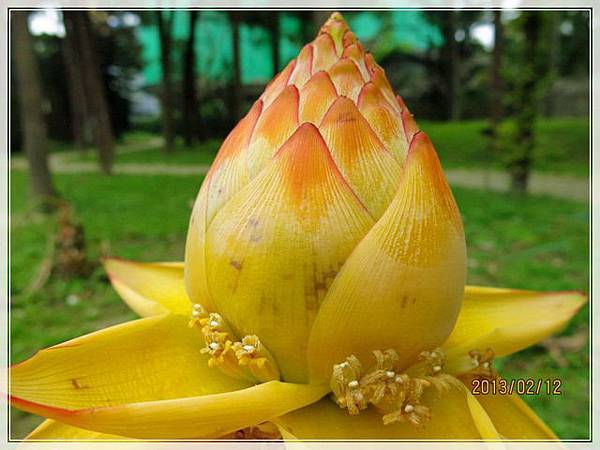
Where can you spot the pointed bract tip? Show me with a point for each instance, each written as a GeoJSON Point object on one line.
{"type": "Point", "coordinates": [336, 27]}
{"type": "Point", "coordinates": [418, 140]}
{"type": "Point", "coordinates": [336, 16]}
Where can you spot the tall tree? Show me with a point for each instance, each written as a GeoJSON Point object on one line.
{"type": "Point", "coordinates": [452, 64]}
{"type": "Point", "coordinates": [78, 23]}
{"type": "Point", "coordinates": [275, 32]}
{"type": "Point", "coordinates": [30, 105]}
{"type": "Point", "coordinates": [190, 97]}
{"type": "Point", "coordinates": [165, 25]}
{"type": "Point", "coordinates": [526, 101]}
{"type": "Point", "coordinates": [496, 84]}
{"type": "Point", "coordinates": [236, 88]}
{"type": "Point", "coordinates": [76, 88]}
{"type": "Point", "coordinates": [552, 40]}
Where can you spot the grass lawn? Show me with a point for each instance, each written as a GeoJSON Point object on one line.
{"type": "Point", "coordinates": [536, 243]}
{"type": "Point", "coordinates": [199, 154]}
{"type": "Point", "coordinates": [562, 147]}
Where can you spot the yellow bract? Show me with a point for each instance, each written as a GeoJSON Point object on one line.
{"type": "Point", "coordinates": [325, 253]}
{"type": "Point", "coordinates": [402, 286]}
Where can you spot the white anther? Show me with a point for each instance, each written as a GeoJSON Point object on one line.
{"type": "Point", "coordinates": [486, 365]}
{"type": "Point", "coordinates": [399, 379]}
{"type": "Point", "coordinates": [353, 384]}
{"type": "Point", "coordinates": [214, 323]}
{"type": "Point", "coordinates": [213, 345]}
{"type": "Point", "coordinates": [437, 368]}
{"type": "Point", "coordinates": [197, 306]}
{"type": "Point", "coordinates": [475, 362]}
{"type": "Point", "coordinates": [342, 365]}
{"type": "Point", "coordinates": [249, 348]}
{"type": "Point", "coordinates": [409, 408]}
{"type": "Point", "coordinates": [390, 374]}
{"type": "Point", "coordinates": [195, 313]}
{"type": "Point", "coordinates": [359, 396]}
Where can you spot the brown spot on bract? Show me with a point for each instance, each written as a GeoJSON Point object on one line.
{"type": "Point", "coordinates": [236, 264]}
{"type": "Point", "coordinates": [404, 300]}
{"type": "Point", "coordinates": [77, 384]}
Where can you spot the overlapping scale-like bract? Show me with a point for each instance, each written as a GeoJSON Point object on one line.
{"type": "Point", "coordinates": [302, 180]}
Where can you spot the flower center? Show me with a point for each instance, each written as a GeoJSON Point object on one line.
{"type": "Point", "coordinates": [247, 359]}
{"type": "Point", "coordinates": [396, 394]}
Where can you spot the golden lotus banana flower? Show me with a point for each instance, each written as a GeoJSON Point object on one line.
{"type": "Point", "coordinates": [324, 290]}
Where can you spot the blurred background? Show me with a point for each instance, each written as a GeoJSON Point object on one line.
{"type": "Point", "coordinates": [117, 115]}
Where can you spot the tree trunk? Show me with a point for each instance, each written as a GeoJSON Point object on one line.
{"type": "Point", "coordinates": [452, 58]}
{"type": "Point", "coordinates": [236, 91]}
{"type": "Point", "coordinates": [496, 94]}
{"type": "Point", "coordinates": [275, 31]}
{"type": "Point", "coordinates": [166, 41]}
{"type": "Point", "coordinates": [553, 56]}
{"type": "Point", "coordinates": [496, 88]}
{"type": "Point", "coordinates": [190, 98]}
{"type": "Point", "coordinates": [35, 140]}
{"type": "Point", "coordinates": [83, 32]}
{"type": "Point", "coordinates": [77, 96]}
{"type": "Point", "coordinates": [526, 103]}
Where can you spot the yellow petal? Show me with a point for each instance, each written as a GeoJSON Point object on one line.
{"type": "Point", "coordinates": [148, 359]}
{"type": "Point", "coordinates": [513, 418]}
{"type": "Point", "coordinates": [380, 80]}
{"type": "Point", "coordinates": [208, 416]}
{"type": "Point", "coordinates": [370, 169]}
{"type": "Point", "coordinates": [278, 84]}
{"type": "Point", "coordinates": [316, 96]}
{"type": "Point", "coordinates": [52, 430]}
{"type": "Point", "coordinates": [347, 78]}
{"type": "Point", "coordinates": [356, 53]}
{"type": "Point", "coordinates": [384, 120]}
{"type": "Point", "coordinates": [507, 320]}
{"type": "Point", "coordinates": [483, 422]}
{"type": "Point", "coordinates": [229, 171]}
{"type": "Point", "coordinates": [324, 54]}
{"type": "Point", "coordinates": [226, 176]}
{"type": "Point", "coordinates": [275, 248]}
{"type": "Point", "coordinates": [451, 418]}
{"type": "Point", "coordinates": [409, 124]}
{"type": "Point", "coordinates": [402, 286]}
{"type": "Point", "coordinates": [275, 125]}
{"type": "Point", "coordinates": [303, 67]}
{"type": "Point", "coordinates": [150, 289]}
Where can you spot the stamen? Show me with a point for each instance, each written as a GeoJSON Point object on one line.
{"type": "Point", "coordinates": [483, 364]}
{"type": "Point", "coordinates": [251, 353]}
{"type": "Point", "coordinates": [346, 387]}
{"type": "Point", "coordinates": [198, 313]}
{"type": "Point", "coordinates": [248, 359]}
{"type": "Point", "coordinates": [395, 394]}
{"type": "Point", "coordinates": [433, 361]}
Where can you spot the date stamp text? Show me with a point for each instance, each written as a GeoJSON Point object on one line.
{"type": "Point", "coordinates": [520, 386]}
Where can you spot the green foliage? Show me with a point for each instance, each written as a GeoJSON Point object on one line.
{"type": "Point", "coordinates": [198, 154]}
{"type": "Point", "coordinates": [561, 144]}
{"type": "Point", "coordinates": [535, 242]}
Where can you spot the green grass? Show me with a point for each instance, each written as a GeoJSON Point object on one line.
{"type": "Point", "coordinates": [537, 243]}
{"type": "Point", "coordinates": [562, 145]}
{"type": "Point", "coordinates": [199, 154]}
